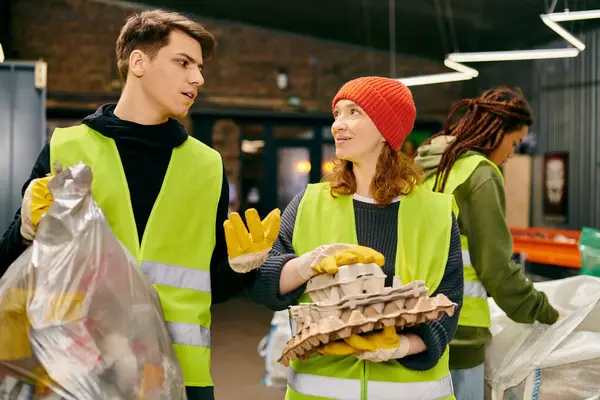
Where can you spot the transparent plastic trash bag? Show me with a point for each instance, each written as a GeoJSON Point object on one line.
{"type": "Point", "coordinates": [270, 348]}
{"type": "Point", "coordinates": [78, 321]}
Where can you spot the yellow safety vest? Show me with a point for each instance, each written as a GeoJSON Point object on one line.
{"type": "Point", "coordinates": [177, 245]}
{"type": "Point", "coordinates": [424, 230]}
{"type": "Point", "coordinates": [475, 309]}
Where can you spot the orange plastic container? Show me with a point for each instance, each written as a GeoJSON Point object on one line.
{"type": "Point", "coordinates": [548, 246]}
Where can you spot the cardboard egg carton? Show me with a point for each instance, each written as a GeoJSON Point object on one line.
{"type": "Point", "coordinates": [350, 281]}
{"type": "Point", "coordinates": [352, 311]}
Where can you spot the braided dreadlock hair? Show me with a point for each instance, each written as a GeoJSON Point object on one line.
{"type": "Point", "coordinates": [487, 119]}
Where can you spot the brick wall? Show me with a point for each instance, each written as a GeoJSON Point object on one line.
{"type": "Point", "coordinates": [77, 37]}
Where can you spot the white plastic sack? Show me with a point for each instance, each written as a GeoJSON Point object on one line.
{"type": "Point", "coordinates": [271, 347]}
{"type": "Point", "coordinates": [560, 361]}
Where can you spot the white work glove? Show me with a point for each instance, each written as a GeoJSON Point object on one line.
{"type": "Point", "coordinates": [328, 258]}
{"type": "Point", "coordinates": [249, 250]}
{"type": "Point", "coordinates": [381, 355]}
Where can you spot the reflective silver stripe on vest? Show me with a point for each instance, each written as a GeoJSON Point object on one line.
{"type": "Point", "coordinates": [324, 386]}
{"type": "Point", "coordinates": [474, 289]}
{"type": "Point", "coordinates": [430, 390]}
{"type": "Point", "coordinates": [466, 256]}
{"type": "Point", "coordinates": [350, 389]}
{"type": "Point", "coordinates": [189, 334]}
{"type": "Point", "coordinates": [184, 278]}
{"type": "Point", "coordinates": [180, 277]}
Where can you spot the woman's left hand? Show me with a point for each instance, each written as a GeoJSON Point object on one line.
{"type": "Point", "coordinates": [377, 346]}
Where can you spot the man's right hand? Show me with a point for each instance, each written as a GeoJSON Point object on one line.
{"type": "Point", "coordinates": [248, 248]}
{"type": "Point", "coordinates": [36, 202]}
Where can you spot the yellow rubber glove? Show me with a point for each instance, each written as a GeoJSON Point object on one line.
{"type": "Point", "coordinates": [248, 248]}
{"type": "Point", "coordinates": [376, 346]}
{"type": "Point", "coordinates": [36, 202]}
{"type": "Point", "coordinates": [387, 338]}
{"type": "Point", "coordinates": [352, 255]}
{"type": "Point", "coordinates": [337, 348]}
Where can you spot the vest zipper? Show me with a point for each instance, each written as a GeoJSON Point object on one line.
{"type": "Point", "coordinates": [363, 381]}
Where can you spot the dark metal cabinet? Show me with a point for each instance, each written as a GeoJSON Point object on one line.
{"type": "Point", "coordinates": [22, 131]}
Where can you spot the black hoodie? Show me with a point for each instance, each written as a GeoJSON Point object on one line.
{"type": "Point", "coordinates": [145, 152]}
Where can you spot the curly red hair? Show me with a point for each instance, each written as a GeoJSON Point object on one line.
{"type": "Point", "coordinates": [395, 175]}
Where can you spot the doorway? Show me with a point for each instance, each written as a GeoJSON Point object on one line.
{"type": "Point", "coordinates": [278, 154]}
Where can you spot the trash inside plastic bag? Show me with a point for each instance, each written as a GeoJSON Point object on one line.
{"type": "Point", "coordinates": [271, 347]}
{"type": "Point", "coordinates": [589, 248]}
{"type": "Point", "coordinates": [538, 361]}
{"type": "Point", "coordinates": [78, 320]}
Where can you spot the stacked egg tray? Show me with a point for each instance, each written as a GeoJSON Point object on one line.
{"type": "Point", "coordinates": [356, 301]}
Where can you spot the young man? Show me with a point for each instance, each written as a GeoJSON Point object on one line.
{"type": "Point", "coordinates": [164, 193]}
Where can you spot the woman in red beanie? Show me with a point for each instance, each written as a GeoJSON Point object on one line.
{"type": "Point", "coordinates": [370, 206]}
{"type": "Point", "coordinates": [463, 160]}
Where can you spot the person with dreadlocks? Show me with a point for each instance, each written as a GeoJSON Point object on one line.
{"type": "Point", "coordinates": [464, 160]}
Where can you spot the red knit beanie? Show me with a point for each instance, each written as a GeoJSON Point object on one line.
{"type": "Point", "coordinates": [387, 102]}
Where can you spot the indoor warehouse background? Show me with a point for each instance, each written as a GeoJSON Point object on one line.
{"type": "Point", "coordinates": [266, 108]}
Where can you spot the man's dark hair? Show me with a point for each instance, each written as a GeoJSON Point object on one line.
{"type": "Point", "coordinates": [149, 31]}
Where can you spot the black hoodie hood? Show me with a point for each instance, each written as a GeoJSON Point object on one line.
{"type": "Point", "coordinates": [145, 152]}
{"type": "Point", "coordinates": [165, 136]}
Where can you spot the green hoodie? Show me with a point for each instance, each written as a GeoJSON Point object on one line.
{"type": "Point", "coordinates": [482, 208]}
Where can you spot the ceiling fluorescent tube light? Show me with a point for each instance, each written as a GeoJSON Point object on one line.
{"type": "Point", "coordinates": [454, 60]}
{"type": "Point", "coordinates": [563, 33]}
{"type": "Point", "coordinates": [512, 55]}
{"type": "Point", "coordinates": [461, 68]}
{"type": "Point", "coordinates": [573, 15]}
{"type": "Point", "coordinates": [435, 78]}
